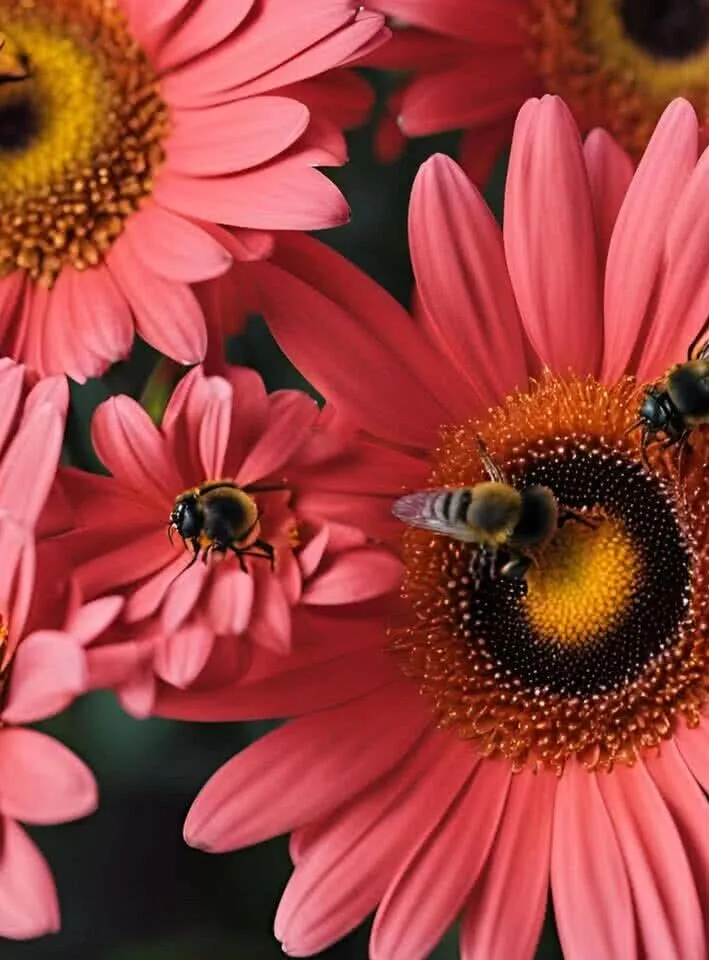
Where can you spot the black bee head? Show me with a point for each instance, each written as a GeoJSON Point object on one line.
{"type": "Point", "coordinates": [186, 516]}
{"type": "Point", "coordinates": [653, 411]}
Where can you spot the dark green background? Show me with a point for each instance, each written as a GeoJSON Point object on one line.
{"type": "Point", "coordinates": [130, 888]}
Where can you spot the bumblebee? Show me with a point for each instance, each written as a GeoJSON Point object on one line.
{"type": "Point", "coordinates": [217, 517]}
{"type": "Point", "coordinates": [508, 525]}
{"type": "Point", "coordinates": [675, 405]}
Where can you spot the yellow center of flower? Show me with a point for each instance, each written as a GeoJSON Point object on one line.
{"type": "Point", "coordinates": [618, 63]}
{"type": "Point", "coordinates": [583, 585]}
{"type": "Point", "coordinates": [80, 135]}
{"type": "Point", "coordinates": [601, 650]}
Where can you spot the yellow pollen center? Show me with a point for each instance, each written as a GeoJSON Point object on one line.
{"type": "Point", "coordinates": [80, 135]}
{"type": "Point", "coordinates": [584, 583]}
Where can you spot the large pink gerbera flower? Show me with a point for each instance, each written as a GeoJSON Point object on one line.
{"type": "Point", "coordinates": [474, 62]}
{"type": "Point", "coordinates": [574, 704]}
{"type": "Point", "coordinates": [130, 132]}
{"type": "Point", "coordinates": [205, 622]}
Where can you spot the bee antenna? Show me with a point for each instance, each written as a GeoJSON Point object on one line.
{"type": "Point", "coordinates": [693, 344]}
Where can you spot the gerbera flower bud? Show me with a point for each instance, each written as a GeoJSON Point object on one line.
{"type": "Point", "coordinates": [525, 734]}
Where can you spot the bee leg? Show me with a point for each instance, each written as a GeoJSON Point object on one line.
{"type": "Point", "coordinates": [646, 441]}
{"type": "Point", "coordinates": [684, 447]}
{"type": "Point", "coordinates": [195, 555]}
{"type": "Point", "coordinates": [170, 533]}
{"type": "Point", "coordinates": [268, 551]}
{"type": "Point", "coordinates": [568, 513]}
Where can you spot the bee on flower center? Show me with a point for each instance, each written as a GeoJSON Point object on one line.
{"type": "Point", "coordinates": [673, 406]}
{"type": "Point", "coordinates": [494, 516]}
{"type": "Point", "coordinates": [220, 516]}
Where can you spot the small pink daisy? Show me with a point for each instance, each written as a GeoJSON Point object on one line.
{"type": "Point", "coordinates": [473, 63]}
{"type": "Point", "coordinates": [132, 131]}
{"type": "Point", "coordinates": [551, 732]}
{"type": "Point", "coordinates": [276, 459]}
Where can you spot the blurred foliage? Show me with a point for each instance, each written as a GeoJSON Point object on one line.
{"type": "Point", "coordinates": [130, 888]}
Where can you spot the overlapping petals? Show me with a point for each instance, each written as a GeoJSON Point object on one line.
{"type": "Point", "coordinates": [252, 110]}
{"type": "Point", "coordinates": [206, 624]}
{"type": "Point", "coordinates": [388, 814]}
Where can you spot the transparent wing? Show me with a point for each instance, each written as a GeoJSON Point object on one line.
{"type": "Point", "coordinates": [416, 510]}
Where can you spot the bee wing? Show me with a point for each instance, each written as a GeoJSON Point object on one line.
{"type": "Point", "coordinates": [416, 510]}
{"type": "Point", "coordinates": [490, 467]}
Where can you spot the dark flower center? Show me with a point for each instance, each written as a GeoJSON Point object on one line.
{"type": "Point", "coordinates": [673, 29]}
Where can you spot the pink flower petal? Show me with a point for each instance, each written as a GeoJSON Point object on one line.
{"type": "Point", "coordinates": [495, 925]}
{"type": "Point", "coordinates": [181, 597]}
{"type": "Point", "coordinates": [231, 137]}
{"type": "Point", "coordinates": [552, 260]}
{"type": "Point", "coordinates": [100, 313]}
{"type": "Point", "coordinates": [151, 24]}
{"type": "Point", "coordinates": [320, 308]}
{"type": "Point", "coordinates": [29, 466]}
{"type": "Point", "coordinates": [113, 664]}
{"type": "Point", "coordinates": [51, 390]}
{"type": "Point", "coordinates": [270, 623]}
{"type": "Point", "coordinates": [167, 313]}
{"type": "Point", "coordinates": [247, 245]}
{"type": "Point", "coordinates": [174, 248]}
{"type": "Point", "coordinates": [230, 600]}
{"type": "Point", "coordinates": [272, 37]}
{"type": "Point", "coordinates": [207, 23]}
{"type": "Point", "coordinates": [688, 807]}
{"type": "Point", "coordinates": [592, 898]}
{"type": "Point", "coordinates": [355, 576]}
{"type": "Point", "coordinates": [459, 263]}
{"type": "Point", "coordinates": [28, 898]}
{"type": "Point", "coordinates": [416, 910]}
{"type": "Point", "coordinates": [12, 293]}
{"type": "Point", "coordinates": [481, 147]}
{"type": "Point", "coordinates": [694, 746]}
{"type": "Point", "coordinates": [137, 694]}
{"type": "Point", "coordinates": [296, 773]}
{"type": "Point", "coordinates": [350, 859]}
{"type": "Point", "coordinates": [48, 672]}
{"type": "Point", "coordinates": [285, 194]}
{"type": "Point", "coordinates": [341, 96]}
{"type": "Point", "coordinates": [90, 620]}
{"type": "Point", "coordinates": [310, 556]}
{"type": "Point", "coordinates": [129, 563]}
{"type": "Point", "coordinates": [41, 781]}
{"type": "Point", "coordinates": [481, 21]}
{"type": "Point", "coordinates": [215, 426]}
{"type": "Point", "coordinates": [64, 347]}
{"type": "Point", "coordinates": [364, 32]}
{"type": "Point", "coordinates": [487, 89]}
{"type": "Point", "coordinates": [293, 689]}
{"type": "Point", "coordinates": [639, 234]}
{"type": "Point", "coordinates": [183, 652]}
{"type": "Point", "coordinates": [610, 171]}
{"type": "Point", "coordinates": [133, 449]}
{"type": "Point", "coordinates": [683, 307]}
{"type": "Point", "coordinates": [292, 416]}
{"type": "Point", "coordinates": [668, 913]}
{"type": "Point", "coordinates": [12, 379]}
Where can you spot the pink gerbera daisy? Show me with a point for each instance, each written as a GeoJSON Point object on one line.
{"type": "Point", "coordinates": [130, 132]}
{"type": "Point", "coordinates": [42, 665]}
{"type": "Point", "coordinates": [528, 734]}
{"type": "Point", "coordinates": [474, 62]}
{"type": "Point", "coordinates": [186, 621]}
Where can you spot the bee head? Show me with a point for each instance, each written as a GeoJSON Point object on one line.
{"type": "Point", "coordinates": [186, 516]}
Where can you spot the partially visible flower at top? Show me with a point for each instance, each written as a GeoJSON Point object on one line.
{"type": "Point", "coordinates": [472, 63]}
{"type": "Point", "coordinates": [481, 746]}
{"type": "Point", "coordinates": [131, 132]}
{"type": "Point", "coordinates": [207, 623]}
